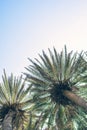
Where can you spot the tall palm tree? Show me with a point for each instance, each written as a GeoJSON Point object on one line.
{"type": "Point", "coordinates": [59, 89]}
{"type": "Point", "coordinates": [14, 103]}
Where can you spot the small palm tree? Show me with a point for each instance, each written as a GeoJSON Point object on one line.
{"type": "Point", "coordinates": [14, 103]}
{"type": "Point", "coordinates": [59, 89]}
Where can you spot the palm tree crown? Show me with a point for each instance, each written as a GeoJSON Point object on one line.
{"type": "Point", "coordinates": [52, 77]}
{"type": "Point", "coordinates": [14, 101]}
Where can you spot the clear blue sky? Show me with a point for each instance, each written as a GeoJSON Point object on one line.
{"type": "Point", "coordinates": [28, 26]}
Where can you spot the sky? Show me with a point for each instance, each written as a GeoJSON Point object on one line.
{"type": "Point", "coordinates": [29, 26]}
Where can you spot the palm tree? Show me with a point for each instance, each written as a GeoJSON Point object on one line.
{"type": "Point", "coordinates": [59, 89]}
{"type": "Point", "coordinates": [14, 103]}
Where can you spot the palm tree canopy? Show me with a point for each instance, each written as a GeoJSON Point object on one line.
{"type": "Point", "coordinates": [14, 97]}
{"type": "Point", "coordinates": [51, 76]}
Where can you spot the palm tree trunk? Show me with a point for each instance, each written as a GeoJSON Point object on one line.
{"type": "Point", "coordinates": [7, 122]}
{"type": "Point", "coordinates": [76, 99]}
